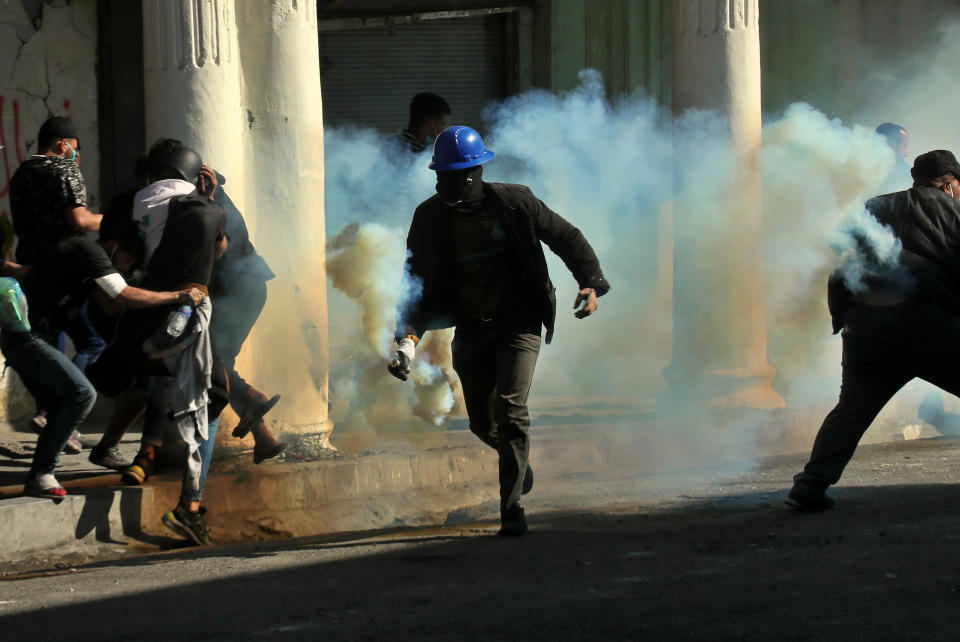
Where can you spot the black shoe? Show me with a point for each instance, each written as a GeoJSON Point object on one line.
{"type": "Point", "coordinates": [808, 501]}
{"type": "Point", "coordinates": [512, 522]}
{"type": "Point", "coordinates": [187, 524]}
{"type": "Point", "coordinates": [527, 481]}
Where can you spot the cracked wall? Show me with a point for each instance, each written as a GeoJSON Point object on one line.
{"type": "Point", "coordinates": [47, 68]}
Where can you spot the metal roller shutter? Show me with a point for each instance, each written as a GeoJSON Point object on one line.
{"type": "Point", "coordinates": [369, 75]}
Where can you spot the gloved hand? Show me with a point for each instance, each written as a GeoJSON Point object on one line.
{"type": "Point", "coordinates": [399, 366]}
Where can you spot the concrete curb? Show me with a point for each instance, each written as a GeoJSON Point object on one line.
{"type": "Point", "coordinates": [438, 486]}
{"type": "Point", "coordinates": [354, 494]}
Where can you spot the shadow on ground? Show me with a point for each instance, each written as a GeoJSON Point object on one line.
{"type": "Point", "coordinates": [881, 565]}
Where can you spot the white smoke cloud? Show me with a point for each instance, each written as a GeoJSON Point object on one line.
{"type": "Point", "coordinates": [609, 169]}
{"type": "Point", "coordinates": [866, 247]}
{"type": "Point", "coordinates": [362, 263]}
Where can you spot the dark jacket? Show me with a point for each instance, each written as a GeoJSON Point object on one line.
{"type": "Point", "coordinates": [927, 223]}
{"type": "Point", "coordinates": [528, 221]}
{"type": "Point", "coordinates": [240, 261]}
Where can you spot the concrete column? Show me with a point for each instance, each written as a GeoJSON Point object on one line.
{"type": "Point", "coordinates": [284, 144]}
{"type": "Point", "coordinates": [719, 342]}
{"type": "Point", "coordinates": [240, 81]}
{"type": "Point", "coordinates": [192, 79]}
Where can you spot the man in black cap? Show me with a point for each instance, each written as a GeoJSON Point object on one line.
{"type": "Point", "coordinates": [48, 203]}
{"type": "Point", "coordinates": [900, 316]}
{"type": "Point", "coordinates": [48, 198]}
{"type": "Point", "coordinates": [897, 140]}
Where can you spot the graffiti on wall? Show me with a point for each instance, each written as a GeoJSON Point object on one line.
{"type": "Point", "coordinates": [12, 151]}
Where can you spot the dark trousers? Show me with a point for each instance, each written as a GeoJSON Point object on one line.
{"type": "Point", "coordinates": [495, 362]}
{"type": "Point", "coordinates": [883, 349]}
{"type": "Point", "coordinates": [56, 384]}
{"type": "Point", "coordinates": [234, 313]}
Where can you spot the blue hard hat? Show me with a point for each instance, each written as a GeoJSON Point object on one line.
{"type": "Point", "coordinates": [458, 147]}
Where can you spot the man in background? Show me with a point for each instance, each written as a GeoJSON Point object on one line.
{"type": "Point", "coordinates": [898, 140]}
{"type": "Point", "coordinates": [428, 117]}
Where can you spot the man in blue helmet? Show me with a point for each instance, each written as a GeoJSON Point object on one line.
{"type": "Point", "coordinates": [476, 249]}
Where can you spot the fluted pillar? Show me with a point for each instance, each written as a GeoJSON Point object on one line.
{"type": "Point", "coordinates": [192, 79]}
{"type": "Point", "coordinates": [240, 82]}
{"type": "Point", "coordinates": [719, 340]}
{"type": "Point", "coordinates": [280, 57]}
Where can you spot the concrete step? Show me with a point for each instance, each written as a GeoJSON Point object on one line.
{"type": "Point", "coordinates": [399, 485]}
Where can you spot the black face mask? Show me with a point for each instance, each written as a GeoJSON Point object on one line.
{"type": "Point", "coordinates": [461, 187]}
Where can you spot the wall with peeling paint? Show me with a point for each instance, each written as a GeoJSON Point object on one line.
{"type": "Point", "coordinates": [47, 68]}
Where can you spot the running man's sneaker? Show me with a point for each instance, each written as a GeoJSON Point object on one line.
{"type": "Point", "coordinates": [512, 522]}
{"type": "Point", "coordinates": [45, 486]}
{"type": "Point", "coordinates": [188, 524]}
{"type": "Point", "coordinates": [108, 458]}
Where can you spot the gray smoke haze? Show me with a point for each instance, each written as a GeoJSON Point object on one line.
{"type": "Point", "coordinates": [609, 170]}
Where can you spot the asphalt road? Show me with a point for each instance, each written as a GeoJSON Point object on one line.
{"type": "Point", "coordinates": [725, 561]}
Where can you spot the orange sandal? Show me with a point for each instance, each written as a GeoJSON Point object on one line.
{"type": "Point", "coordinates": [137, 473]}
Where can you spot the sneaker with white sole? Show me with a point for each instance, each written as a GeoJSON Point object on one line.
{"type": "Point", "coordinates": [108, 458]}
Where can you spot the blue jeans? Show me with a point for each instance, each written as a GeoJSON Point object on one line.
{"type": "Point", "coordinates": [154, 424]}
{"type": "Point", "coordinates": [206, 451]}
{"type": "Point", "coordinates": [57, 385]}
{"type": "Point", "coordinates": [234, 314]}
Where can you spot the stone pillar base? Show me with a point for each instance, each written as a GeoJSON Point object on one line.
{"type": "Point", "coordinates": [305, 438]}
{"type": "Point", "coordinates": [696, 392]}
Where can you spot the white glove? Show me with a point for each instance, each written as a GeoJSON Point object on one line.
{"type": "Point", "coordinates": [399, 366]}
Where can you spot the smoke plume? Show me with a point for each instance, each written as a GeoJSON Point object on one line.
{"type": "Point", "coordinates": [609, 170]}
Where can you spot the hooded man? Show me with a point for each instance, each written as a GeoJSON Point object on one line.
{"type": "Point", "coordinates": [476, 248]}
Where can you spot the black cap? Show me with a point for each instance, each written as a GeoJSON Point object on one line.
{"type": "Point", "coordinates": [57, 128]}
{"type": "Point", "coordinates": [934, 164]}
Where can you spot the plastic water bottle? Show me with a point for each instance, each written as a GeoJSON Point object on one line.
{"type": "Point", "coordinates": [178, 321]}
